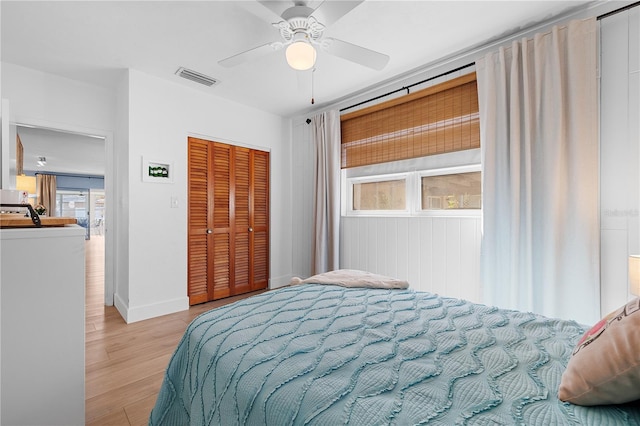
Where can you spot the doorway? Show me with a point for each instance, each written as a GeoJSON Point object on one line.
{"type": "Point", "coordinates": [84, 152]}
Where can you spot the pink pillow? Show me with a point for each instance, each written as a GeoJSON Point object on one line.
{"type": "Point", "coordinates": [605, 365]}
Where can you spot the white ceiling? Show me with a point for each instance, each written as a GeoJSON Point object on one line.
{"type": "Point", "coordinates": [94, 41]}
{"type": "Point", "coordinates": [64, 152]}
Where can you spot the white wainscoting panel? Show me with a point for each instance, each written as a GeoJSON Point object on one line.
{"type": "Point", "coordinates": [435, 254]}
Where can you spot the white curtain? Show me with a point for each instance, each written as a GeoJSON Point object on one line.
{"type": "Point", "coordinates": [539, 137]}
{"type": "Point", "coordinates": [326, 233]}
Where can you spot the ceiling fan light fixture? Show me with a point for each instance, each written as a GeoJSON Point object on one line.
{"type": "Point", "coordinates": [301, 55]}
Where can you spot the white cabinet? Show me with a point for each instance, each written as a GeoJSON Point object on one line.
{"type": "Point", "coordinates": [42, 326]}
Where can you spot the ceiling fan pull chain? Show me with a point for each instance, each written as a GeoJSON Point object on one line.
{"type": "Point", "coordinates": [313, 101]}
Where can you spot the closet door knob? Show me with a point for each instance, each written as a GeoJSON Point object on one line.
{"type": "Point", "coordinates": [209, 231]}
{"type": "Point", "coordinates": [250, 229]}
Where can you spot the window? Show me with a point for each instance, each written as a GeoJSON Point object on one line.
{"type": "Point", "coordinates": [451, 191]}
{"type": "Point", "coordinates": [442, 185]}
{"type": "Point", "coordinates": [418, 154]}
{"type": "Point", "coordinates": [378, 195]}
{"type": "Point", "coordinates": [381, 195]}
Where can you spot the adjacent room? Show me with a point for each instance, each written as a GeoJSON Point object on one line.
{"type": "Point", "coordinates": [320, 212]}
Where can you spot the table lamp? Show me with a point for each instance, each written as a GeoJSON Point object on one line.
{"type": "Point", "coordinates": [26, 183]}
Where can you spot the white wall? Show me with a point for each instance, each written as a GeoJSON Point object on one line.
{"type": "Point", "coordinates": [46, 99]}
{"type": "Point", "coordinates": [619, 153]}
{"type": "Point", "coordinates": [161, 116]}
{"type": "Point", "coordinates": [120, 187]}
{"type": "Point", "coordinates": [50, 101]}
{"type": "Point", "coordinates": [154, 118]}
{"type": "Point", "coordinates": [147, 116]}
{"type": "Point", "coordinates": [439, 255]}
{"type": "Point", "coordinates": [443, 266]}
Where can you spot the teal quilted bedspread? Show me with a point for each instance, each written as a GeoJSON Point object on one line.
{"type": "Point", "coordinates": [328, 355]}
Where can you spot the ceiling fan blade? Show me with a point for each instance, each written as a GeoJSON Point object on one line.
{"type": "Point", "coordinates": [277, 7]}
{"type": "Point", "coordinates": [259, 10]}
{"type": "Point", "coordinates": [250, 54]}
{"type": "Point", "coordinates": [358, 54]}
{"type": "Point", "coordinates": [330, 11]}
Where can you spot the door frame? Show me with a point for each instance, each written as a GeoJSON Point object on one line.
{"type": "Point", "coordinates": [212, 140]}
{"type": "Point", "coordinates": [110, 192]}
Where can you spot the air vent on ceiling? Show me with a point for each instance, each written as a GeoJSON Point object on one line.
{"type": "Point", "coordinates": [196, 76]}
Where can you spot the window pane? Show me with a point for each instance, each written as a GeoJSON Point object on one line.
{"type": "Point", "coordinates": [454, 191]}
{"type": "Point", "coordinates": [383, 195]}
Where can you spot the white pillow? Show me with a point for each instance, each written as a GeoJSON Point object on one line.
{"type": "Point", "coordinates": [605, 365]}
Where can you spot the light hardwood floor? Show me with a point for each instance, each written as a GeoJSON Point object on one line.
{"type": "Point", "coordinates": [125, 362]}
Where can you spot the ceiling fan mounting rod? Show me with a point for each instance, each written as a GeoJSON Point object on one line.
{"type": "Point", "coordinates": [296, 12]}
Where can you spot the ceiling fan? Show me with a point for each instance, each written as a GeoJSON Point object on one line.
{"type": "Point", "coordinates": [301, 28]}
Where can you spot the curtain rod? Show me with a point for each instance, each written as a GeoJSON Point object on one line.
{"type": "Point", "coordinates": [622, 9]}
{"type": "Point", "coordinates": [605, 15]}
{"type": "Point", "coordinates": [409, 86]}
{"type": "Point", "coordinates": [70, 175]}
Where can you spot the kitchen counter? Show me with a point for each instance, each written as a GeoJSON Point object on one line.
{"type": "Point", "coordinates": [18, 220]}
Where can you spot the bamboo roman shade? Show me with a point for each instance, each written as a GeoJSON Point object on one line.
{"type": "Point", "coordinates": [439, 119]}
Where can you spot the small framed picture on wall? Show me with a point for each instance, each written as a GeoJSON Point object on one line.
{"type": "Point", "coordinates": [157, 171]}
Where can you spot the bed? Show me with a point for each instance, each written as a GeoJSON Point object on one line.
{"type": "Point", "coordinates": [326, 354]}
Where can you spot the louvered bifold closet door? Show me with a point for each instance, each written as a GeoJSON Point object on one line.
{"type": "Point", "coordinates": [222, 220]}
{"type": "Point", "coordinates": [259, 209]}
{"type": "Point", "coordinates": [242, 227]}
{"type": "Point", "coordinates": [228, 220]}
{"type": "Point", "coordinates": [199, 210]}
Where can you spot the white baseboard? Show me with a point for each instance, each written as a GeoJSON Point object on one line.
{"type": "Point", "coordinates": [140, 313]}
{"type": "Point", "coordinates": [277, 282]}
{"type": "Point", "coordinates": [121, 306]}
